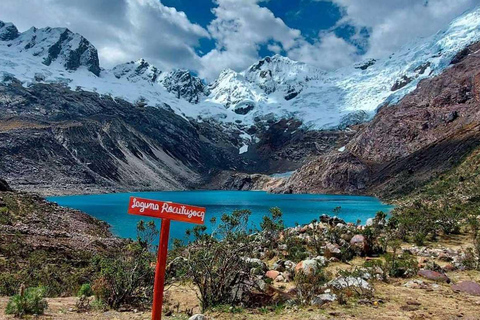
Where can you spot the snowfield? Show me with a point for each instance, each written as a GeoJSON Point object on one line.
{"type": "Point", "coordinates": [273, 88]}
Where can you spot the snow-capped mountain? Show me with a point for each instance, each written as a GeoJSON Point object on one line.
{"type": "Point", "coordinates": [50, 45]}
{"type": "Point", "coordinates": [179, 82]}
{"type": "Point", "coordinates": [273, 88]}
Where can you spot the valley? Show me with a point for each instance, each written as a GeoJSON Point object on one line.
{"type": "Point", "coordinates": [404, 128]}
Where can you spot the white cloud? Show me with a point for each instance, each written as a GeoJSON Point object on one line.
{"type": "Point", "coordinates": [242, 26]}
{"type": "Point", "coordinates": [328, 52]}
{"type": "Point", "coordinates": [394, 23]}
{"type": "Point", "coordinates": [239, 28]}
{"type": "Point", "coordinates": [122, 30]}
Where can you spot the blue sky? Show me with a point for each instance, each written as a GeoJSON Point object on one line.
{"type": "Point", "coordinates": [308, 16]}
{"type": "Point", "coordinates": [207, 36]}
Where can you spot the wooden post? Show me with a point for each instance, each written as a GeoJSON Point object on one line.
{"type": "Point", "coordinates": [166, 211]}
{"type": "Point", "coordinates": [160, 271]}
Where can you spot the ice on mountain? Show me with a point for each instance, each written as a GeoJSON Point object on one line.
{"type": "Point", "coordinates": [273, 88]}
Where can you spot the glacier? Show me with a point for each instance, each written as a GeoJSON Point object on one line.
{"type": "Point", "coordinates": [271, 89]}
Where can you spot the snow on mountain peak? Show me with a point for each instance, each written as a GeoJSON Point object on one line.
{"type": "Point", "coordinates": [184, 85]}
{"type": "Point", "coordinates": [135, 71]}
{"type": "Point", "coordinates": [53, 45]}
{"type": "Point", "coordinates": [273, 88]}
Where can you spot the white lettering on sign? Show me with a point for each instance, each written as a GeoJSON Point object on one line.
{"type": "Point", "coordinates": [182, 210]}
{"type": "Point", "coordinates": [144, 205]}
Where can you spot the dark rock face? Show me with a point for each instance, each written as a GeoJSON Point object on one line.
{"type": "Point", "coordinates": [85, 54]}
{"type": "Point", "coordinates": [185, 85]}
{"type": "Point", "coordinates": [460, 56]}
{"type": "Point", "coordinates": [4, 185]}
{"type": "Point", "coordinates": [7, 31]}
{"type": "Point", "coordinates": [292, 92]}
{"type": "Point", "coordinates": [285, 145]}
{"type": "Point", "coordinates": [408, 144]}
{"type": "Point", "coordinates": [71, 49]}
{"type": "Point", "coordinates": [229, 180]}
{"type": "Point", "coordinates": [366, 65]}
{"type": "Point", "coordinates": [399, 84]}
{"type": "Point", "coordinates": [244, 109]}
{"type": "Point", "coordinates": [335, 173]}
{"type": "Point", "coordinates": [55, 138]}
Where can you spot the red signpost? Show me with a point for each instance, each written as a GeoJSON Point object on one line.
{"type": "Point", "coordinates": [167, 211]}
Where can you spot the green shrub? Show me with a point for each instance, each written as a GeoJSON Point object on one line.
{"type": "Point", "coordinates": [30, 301]}
{"type": "Point", "coordinates": [296, 249]}
{"type": "Point", "coordinates": [127, 279]}
{"type": "Point", "coordinates": [85, 290]}
{"type": "Point", "coordinates": [219, 268]}
{"type": "Point", "coordinates": [310, 285]}
{"type": "Point", "coordinates": [396, 266]}
{"type": "Point", "coordinates": [98, 305]}
{"type": "Point", "coordinates": [403, 266]}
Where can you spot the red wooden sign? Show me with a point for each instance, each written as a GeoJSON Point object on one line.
{"type": "Point", "coordinates": [167, 211]}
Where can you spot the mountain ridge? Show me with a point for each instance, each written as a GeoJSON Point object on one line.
{"type": "Point", "coordinates": [272, 88]}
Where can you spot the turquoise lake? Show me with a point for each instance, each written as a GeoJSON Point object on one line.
{"type": "Point", "coordinates": [296, 208]}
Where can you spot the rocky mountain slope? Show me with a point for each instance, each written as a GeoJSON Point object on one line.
{"type": "Point", "coordinates": [406, 145]}
{"type": "Point", "coordinates": [55, 140]}
{"type": "Point", "coordinates": [41, 242]}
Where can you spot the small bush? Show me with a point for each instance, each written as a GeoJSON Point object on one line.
{"type": "Point", "coordinates": [98, 305]}
{"type": "Point", "coordinates": [127, 279]}
{"type": "Point", "coordinates": [396, 266]}
{"type": "Point", "coordinates": [296, 249]}
{"type": "Point", "coordinates": [30, 301]}
{"type": "Point", "coordinates": [310, 285]}
{"type": "Point", "coordinates": [85, 290]}
{"type": "Point", "coordinates": [219, 268]}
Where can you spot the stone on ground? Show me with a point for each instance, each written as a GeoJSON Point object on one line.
{"type": "Point", "coordinates": [469, 287]}
{"type": "Point", "coordinates": [433, 275]}
{"type": "Point", "coordinates": [322, 299]}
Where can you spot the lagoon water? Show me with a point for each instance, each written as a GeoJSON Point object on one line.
{"type": "Point", "coordinates": [296, 208]}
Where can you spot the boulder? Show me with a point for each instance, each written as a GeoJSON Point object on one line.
{"type": "Point", "coordinates": [358, 242]}
{"type": "Point", "coordinates": [290, 265]}
{"type": "Point", "coordinates": [280, 278]}
{"type": "Point", "coordinates": [197, 317]}
{"type": "Point", "coordinates": [469, 287]}
{"type": "Point", "coordinates": [332, 221]}
{"type": "Point", "coordinates": [348, 282]}
{"type": "Point", "coordinates": [332, 250]}
{"type": "Point", "coordinates": [433, 275]}
{"type": "Point", "coordinates": [272, 274]}
{"type": "Point", "coordinates": [322, 262]}
{"type": "Point", "coordinates": [308, 267]}
{"type": "Point", "coordinates": [322, 299]}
